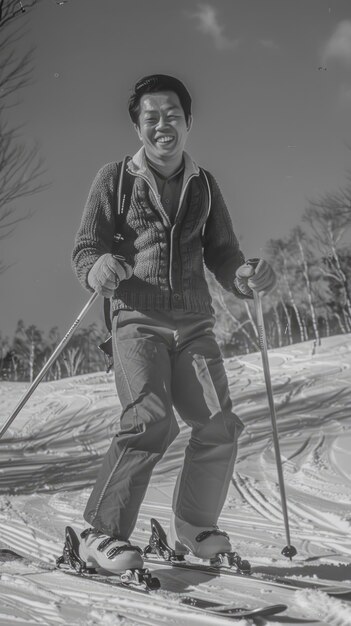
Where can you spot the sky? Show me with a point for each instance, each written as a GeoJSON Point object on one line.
{"type": "Point", "coordinates": [271, 88]}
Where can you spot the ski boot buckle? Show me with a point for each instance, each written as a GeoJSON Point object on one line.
{"type": "Point", "coordinates": [231, 560]}
{"type": "Point", "coordinates": [158, 544]}
{"type": "Point", "coordinates": [140, 577]}
{"type": "Point", "coordinates": [70, 555]}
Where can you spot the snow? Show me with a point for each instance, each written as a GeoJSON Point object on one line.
{"type": "Point", "coordinates": [319, 606]}
{"type": "Point", "coordinates": [49, 459]}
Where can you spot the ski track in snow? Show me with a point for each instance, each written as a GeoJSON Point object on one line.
{"type": "Point", "coordinates": [50, 456]}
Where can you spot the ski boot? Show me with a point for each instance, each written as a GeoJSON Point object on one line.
{"type": "Point", "coordinates": [202, 542]}
{"type": "Point", "coordinates": [205, 543]}
{"type": "Point", "coordinates": [98, 553]}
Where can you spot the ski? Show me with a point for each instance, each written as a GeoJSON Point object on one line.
{"type": "Point", "coordinates": [141, 582]}
{"type": "Point", "coordinates": [229, 610]}
{"type": "Point", "coordinates": [159, 552]}
{"type": "Point", "coordinates": [192, 603]}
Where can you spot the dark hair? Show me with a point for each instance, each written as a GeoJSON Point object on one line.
{"type": "Point", "coordinates": [154, 83]}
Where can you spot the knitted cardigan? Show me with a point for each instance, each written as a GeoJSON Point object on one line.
{"type": "Point", "coordinates": [168, 259]}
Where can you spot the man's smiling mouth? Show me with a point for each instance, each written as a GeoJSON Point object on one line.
{"type": "Point", "coordinates": [165, 139]}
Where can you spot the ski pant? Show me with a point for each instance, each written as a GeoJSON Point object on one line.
{"type": "Point", "coordinates": [166, 359]}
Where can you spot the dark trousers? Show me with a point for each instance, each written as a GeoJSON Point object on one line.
{"type": "Point", "coordinates": [166, 359]}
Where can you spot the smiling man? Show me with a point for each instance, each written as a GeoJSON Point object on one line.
{"type": "Point", "coordinates": [163, 129]}
{"type": "Point", "coordinates": [164, 349]}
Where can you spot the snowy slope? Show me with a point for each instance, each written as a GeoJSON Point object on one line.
{"type": "Point", "coordinates": [50, 456]}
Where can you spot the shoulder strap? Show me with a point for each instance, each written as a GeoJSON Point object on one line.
{"type": "Point", "coordinates": [125, 188]}
{"type": "Point", "coordinates": [206, 182]}
{"type": "Point", "coordinates": [124, 194]}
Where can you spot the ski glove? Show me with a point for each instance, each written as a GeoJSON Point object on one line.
{"type": "Point", "coordinates": [106, 274]}
{"type": "Point", "coordinates": [255, 274]}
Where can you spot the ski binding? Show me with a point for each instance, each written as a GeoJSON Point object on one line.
{"type": "Point", "coordinates": [70, 557]}
{"type": "Point", "coordinates": [158, 545]}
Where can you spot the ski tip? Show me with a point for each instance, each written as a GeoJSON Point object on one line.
{"type": "Point", "coordinates": [260, 611]}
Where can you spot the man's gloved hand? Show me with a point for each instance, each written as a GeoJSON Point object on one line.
{"type": "Point", "coordinates": [255, 274]}
{"type": "Point", "coordinates": [106, 274]}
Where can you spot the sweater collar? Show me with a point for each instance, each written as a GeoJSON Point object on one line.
{"type": "Point", "coordinates": [138, 165]}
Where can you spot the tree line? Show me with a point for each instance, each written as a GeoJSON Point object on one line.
{"type": "Point", "coordinates": [23, 358]}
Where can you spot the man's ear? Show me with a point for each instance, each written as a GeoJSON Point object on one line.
{"type": "Point", "coordinates": [138, 131]}
{"type": "Point", "coordinates": [189, 123]}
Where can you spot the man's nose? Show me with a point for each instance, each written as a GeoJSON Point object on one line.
{"type": "Point", "coordinates": [162, 122]}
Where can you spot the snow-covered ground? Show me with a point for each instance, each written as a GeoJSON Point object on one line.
{"type": "Point", "coordinates": [50, 456]}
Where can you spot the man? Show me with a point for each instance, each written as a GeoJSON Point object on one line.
{"type": "Point", "coordinates": [164, 348]}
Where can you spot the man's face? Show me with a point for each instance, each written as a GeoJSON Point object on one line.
{"type": "Point", "coordinates": [162, 126]}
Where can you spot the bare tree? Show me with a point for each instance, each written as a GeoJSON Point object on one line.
{"type": "Point", "coordinates": [230, 318]}
{"type": "Point", "coordinates": [299, 242]}
{"type": "Point", "coordinates": [21, 167]}
{"type": "Point", "coordinates": [239, 326]}
{"type": "Point", "coordinates": [288, 327]}
{"type": "Point", "coordinates": [9, 9]}
{"type": "Point", "coordinates": [285, 264]}
{"type": "Point", "coordinates": [330, 219]}
{"type": "Point", "coordinates": [72, 360]}
{"type": "Point", "coordinates": [4, 351]}
{"type": "Point", "coordinates": [28, 346]}
{"type": "Point", "coordinates": [277, 327]}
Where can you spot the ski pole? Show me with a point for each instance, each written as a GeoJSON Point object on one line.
{"type": "Point", "coordinates": [289, 550]}
{"type": "Point", "coordinates": [48, 364]}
